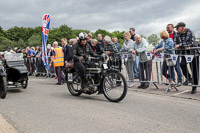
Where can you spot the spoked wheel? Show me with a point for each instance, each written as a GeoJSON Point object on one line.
{"type": "Point", "coordinates": [24, 84]}
{"type": "Point", "coordinates": [114, 86]}
{"type": "Point", "coordinates": [74, 87]}
{"type": "Point", "coordinates": [3, 87]}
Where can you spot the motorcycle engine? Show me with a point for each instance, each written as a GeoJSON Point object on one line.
{"type": "Point", "coordinates": [91, 85]}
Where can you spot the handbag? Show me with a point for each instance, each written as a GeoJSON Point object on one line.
{"type": "Point", "coordinates": [69, 64]}
{"type": "Point", "coordinates": [169, 62]}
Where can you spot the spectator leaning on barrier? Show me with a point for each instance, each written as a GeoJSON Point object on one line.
{"type": "Point", "coordinates": [24, 53]}
{"type": "Point", "coordinates": [115, 41]}
{"type": "Point", "coordinates": [58, 62]}
{"type": "Point", "coordinates": [110, 49]}
{"type": "Point", "coordinates": [10, 50]}
{"type": "Point", "coordinates": [119, 62]}
{"type": "Point", "coordinates": [185, 41]}
{"type": "Point", "coordinates": [140, 47]}
{"type": "Point", "coordinates": [129, 61]}
{"type": "Point", "coordinates": [30, 54]}
{"type": "Point", "coordinates": [172, 35]}
{"type": "Point", "coordinates": [166, 45]}
{"type": "Point", "coordinates": [97, 48]}
{"type": "Point", "coordinates": [136, 64]}
{"type": "Point", "coordinates": [49, 56]}
{"type": "Point", "coordinates": [15, 49]}
{"type": "Point", "coordinates": [19, 50]}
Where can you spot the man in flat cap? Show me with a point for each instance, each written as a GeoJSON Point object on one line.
{"type": "Point", "coordinates": [184, 44]}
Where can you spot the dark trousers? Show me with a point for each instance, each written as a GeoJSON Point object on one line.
{"type": "Point", "coordinates": [168, 71]}
{"type": "Point", "coordinates": [81, 67]}
{"type": "Point", "coordinates": [194, 66]}
{"type": "Point", "coordinates": [178, 70]}
{"type": "Point", "coordinates": [145, 67]}
{"type": "Point", "coordinates": [59, 74]}
{"type": "Point", "coordinates": [30, 63]}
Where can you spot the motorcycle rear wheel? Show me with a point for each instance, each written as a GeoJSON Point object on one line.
{"type": "Point", "coordinates": [74, 87]}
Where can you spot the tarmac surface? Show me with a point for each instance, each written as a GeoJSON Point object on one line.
{"type": "Point", "coordinates": [48, 108]}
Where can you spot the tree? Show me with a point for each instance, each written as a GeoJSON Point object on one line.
{"type": "Point", "coordinates": [37, 30]}
{"type": "Point", "coordinates": [56, 34]}
{"type": "Point", "coordinates": [35, 40]}
{"type": "Point", "coordinates": [5, 43]}
{"type": "Point", "coordinates": [143, 36]}
{"type": "Point", "coordinates": [1, 31]}
{"type": "Point", "coordinates": [20, 44]}
{"type": "Point", "coordinates": [153, 39]}
{"type": "Point", "coordinates": [103, 32]}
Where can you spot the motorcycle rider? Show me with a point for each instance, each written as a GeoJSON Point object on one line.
{"type": "Point", "coordinates": [81, 51]}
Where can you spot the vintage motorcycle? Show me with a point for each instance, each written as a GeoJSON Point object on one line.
{"type": "Point", "coordinates": [101, 79]}
{"type": "Point", "coordinates": [3, 81]}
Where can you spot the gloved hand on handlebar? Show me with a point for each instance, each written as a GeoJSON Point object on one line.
{"type": "Point", "coordinates": [81, 58]}
{"type": "Point", "coordinates": [85, 57]}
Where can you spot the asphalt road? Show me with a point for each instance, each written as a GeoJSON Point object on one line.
{"type": "Point", "coordinates": [46, 108]}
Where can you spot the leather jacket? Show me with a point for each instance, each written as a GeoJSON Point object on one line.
{"type": "Point", "coordinates": [80, 51]}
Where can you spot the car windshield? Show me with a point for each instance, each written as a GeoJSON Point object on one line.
{"type": "Point", "coordinates": [13, 56]}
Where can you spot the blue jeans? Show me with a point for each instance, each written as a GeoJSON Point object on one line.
{"type": "Point", "coordinates": [168, 71]}
{"type": "Point", "coordinates": [178, 70]}
{"type": "Point", "coordinates": [135, 68]}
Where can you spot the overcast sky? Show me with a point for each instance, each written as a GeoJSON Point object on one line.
{"type": "Point", "coordinates": [146, 16]}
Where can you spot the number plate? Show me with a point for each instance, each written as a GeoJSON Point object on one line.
{"type": "Point", "coordinates": [70, 77]}
{"type": "Point", "coordinates": [105, 66]}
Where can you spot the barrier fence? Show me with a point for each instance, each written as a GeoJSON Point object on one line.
{"type": "Point", "coordinates": [182, 68]}
{"type": "Point", "coordinates": [36, 67]}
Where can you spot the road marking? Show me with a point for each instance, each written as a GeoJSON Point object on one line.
{"type": "Point", "coordinates": [176, 94]}
{"type": "Point", "coordinates": [5, 127]}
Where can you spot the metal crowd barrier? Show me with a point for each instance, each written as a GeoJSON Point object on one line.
{"type": "Point", "coordinates": [36, 67]}
{"type": "Point", "coordinates": [189, 68]}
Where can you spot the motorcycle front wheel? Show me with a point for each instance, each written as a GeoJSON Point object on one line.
{"type": "Point", "coordinates": [3, 87]}
{"type": "Point", "coordinates": [114, 86]}
{"type": "Point", "coordinates": [74, 87]}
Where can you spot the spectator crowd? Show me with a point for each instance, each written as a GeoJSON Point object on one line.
{"type": "Point", "coordinates": [134, 50]}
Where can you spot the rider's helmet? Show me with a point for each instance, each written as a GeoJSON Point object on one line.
{"type": "Point", "coordinates": [83, 36]}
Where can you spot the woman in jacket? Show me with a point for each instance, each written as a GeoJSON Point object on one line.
{"type": "Point", "coordinates": [166, 45]}
{"type": "Point", "coordinates": [129, 61]}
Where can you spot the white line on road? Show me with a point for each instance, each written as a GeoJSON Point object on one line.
{"type": "Point", "coordinates": [176, 94]}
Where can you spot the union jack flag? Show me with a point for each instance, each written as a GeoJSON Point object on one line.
{"type": "Point", "coordinates": [45, 32]}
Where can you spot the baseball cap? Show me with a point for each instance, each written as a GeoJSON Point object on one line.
{"type": "Point", "coordinates": [9, 47]}
{"type": "Point", "coordinates": [180, 24]}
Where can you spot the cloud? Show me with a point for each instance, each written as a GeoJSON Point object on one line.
{"type": "Point", "coordinates": [146, 16]}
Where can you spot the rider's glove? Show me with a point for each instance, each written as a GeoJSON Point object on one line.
{"type": "Point", "coordinates": [85, 57]}
{"type": "Point", "coordinates": [81, 58]}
